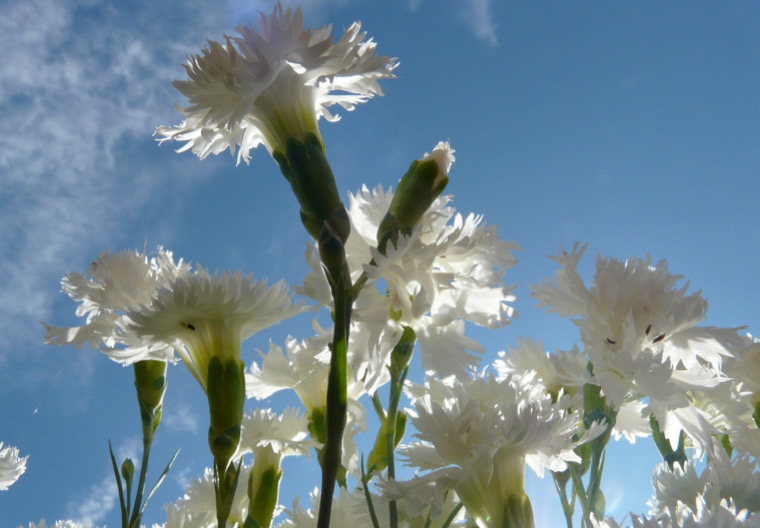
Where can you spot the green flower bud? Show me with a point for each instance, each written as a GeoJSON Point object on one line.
{"type": "Point", "coordinates": [263, 491]}
{"type": "Point", "coordinates": [377, 460]}
{"type": "Point", "coordinates": [150, 384]}
{"type": "Point", "coordinates": [417, 190]}
{"type": "Point", "coordinates": [128, 471]}
{"type": "Point", "coordinates": [402, 352]}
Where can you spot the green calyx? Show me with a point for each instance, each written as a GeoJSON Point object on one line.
{"type": "Point", "coordinates": [150, 384]}
{"type": "Point", "coordinates": [304, 165]}
{"type": "Point", "coordinates": [316, 425]}
{"type": "Point", "coordinates": [262, 497]}
{"type": "Point", "coordinates": [402, 352]}
{"type": "Point", "coordinates": [226, 396]}
{"type": "Point", "coordinates": [518, 512]}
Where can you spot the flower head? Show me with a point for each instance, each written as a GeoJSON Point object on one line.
{"type": "Point", "coordinates": [638, 328]}
{"type": "Point", "coordinates": [12, 466]}
{"type": "Point", "coordinates": [201, 316]}
{"type": "Point", "coordinates": [478, 435]}
{"type": "Point", "coordinates": [273, 83]}
{"type": "Point", "coordinates": [117, 283]}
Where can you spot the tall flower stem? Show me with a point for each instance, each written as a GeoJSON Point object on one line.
{"type": "Point", "coordinates": [333, 257]}
{"type": "Point", "coordinates": [399, 369]}
{"type": "Point", "coordinates": [305, 166]}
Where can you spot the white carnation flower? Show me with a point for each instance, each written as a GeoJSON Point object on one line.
{"type": "Point", "coordinates": [639, 331]}
{"type": "Point", "coordinates": [117, 282]}
{"type": "Point", "coordinates": [12, 466]}
{"type": "Point", "coordinates": [477, 435]}
{"type": "Point", "coordinates": [200, 316]}
{"type": "Point", "coordinates": [272, 83]}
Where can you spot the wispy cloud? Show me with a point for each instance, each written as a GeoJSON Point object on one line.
{"type": "Point", "coordinates": [182, 419]}
{"type": "Point", "coordinates": [77, 79]}
{"type": "Point", "coordinates": [476, 14]}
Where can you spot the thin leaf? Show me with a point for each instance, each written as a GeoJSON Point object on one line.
{"type": "Point", "coordinates": [124, 512]}
{"type": "Point", "coordinates": [158, 482]}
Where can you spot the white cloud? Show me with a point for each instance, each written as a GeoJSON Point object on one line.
{"type": "Point", "coordinates": [77, 79]}
{"type": "Point", "coordinates": [181, 419]}
{"type": "Point", "coordinates": [477, 15]}
{"type": "Point", "coordinates": [101, 498]}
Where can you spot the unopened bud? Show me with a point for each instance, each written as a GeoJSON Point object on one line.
{"type": "Point", "coordinates": [150, 383]}
{"type": "Point", "coordinates": [417, 190]}
{"type": "Point", "coordinates": [128, 471]}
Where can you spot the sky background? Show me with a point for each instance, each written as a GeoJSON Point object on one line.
{"type": "Point", "coordinates": [632, 126]}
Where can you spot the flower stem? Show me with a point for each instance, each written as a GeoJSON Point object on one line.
{"type": "Point", "coordinates": [134, 521]}
{"type": "Point", "coordinates": [399, 368]}
{"type": "Point", "coordinates": [337, 388]}
{"type": "Point", "coordinates": [567, 506]}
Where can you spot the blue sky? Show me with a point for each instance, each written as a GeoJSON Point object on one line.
{"type": "Point", "coordinates": [632, 126]}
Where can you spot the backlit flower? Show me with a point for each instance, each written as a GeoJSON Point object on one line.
{"type": "Point", "coordinates": [117, 282]}
{"type": "Point", "coordinates": [639, 331]}
{"type": "Point", "coordinates": [272, 83]}
{"type": "Point", "coordinates": [201, 316]}
{"type": "Point", "coordinates": [448, 270]}
{"type": "Point", "coordinates": [478, 435]}
{"type": "Point", "coordinates": [12, 466]}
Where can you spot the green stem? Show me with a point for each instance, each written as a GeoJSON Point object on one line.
{"type": "Point", "coordinates": [567, 507]}
{"type": "Point", "coordinates": [580, 492]}
{"type": "Point", "coordinates": [390, 439]}
{"type": "Point", "coordinates": [452, 515]}
{"type": "Point", "coordinates": [368, 498]}
{"type": "Point", "coordinates": [337, 394]}
{"type": "Point", "coordinates": [134, 521]}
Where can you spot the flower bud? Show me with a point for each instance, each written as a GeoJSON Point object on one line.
{"type": "Point", "coordinates": [402, 352]}
{"type": "Point", "coordinates": [417, 190]}
{"type": "Point", "coordinates": [128, 471]}
{"type": "Point", "coordinates": [150, 383]}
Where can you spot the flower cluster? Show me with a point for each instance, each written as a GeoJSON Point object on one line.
{"type": "Point", "coordinates": [400, 271]}
{"type": "Point", "coordinates": [448, 270]}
